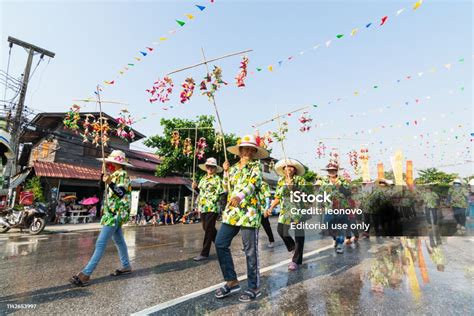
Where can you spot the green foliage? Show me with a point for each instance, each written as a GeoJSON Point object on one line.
{"type": "Point", "coordinates": [173, 159]}
{"type": "Point", "coordinates": [34, 185]}
{"type": "Point", "coordinates": [310, 176]}
{"type": "Point", "coordinates": [435, 176]}
{"type": "Point", "coordinates": [357, 181]}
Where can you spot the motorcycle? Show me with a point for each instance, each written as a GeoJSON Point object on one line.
{"type": "Point", "coordinates": [32, 218]}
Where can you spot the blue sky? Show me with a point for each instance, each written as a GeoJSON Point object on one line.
{"type": "Point", "coordinates": [94, 40]}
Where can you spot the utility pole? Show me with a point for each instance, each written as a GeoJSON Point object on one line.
{"type": "Point", "coordinates": [16, 126]}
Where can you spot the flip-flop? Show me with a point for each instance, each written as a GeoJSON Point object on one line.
{"type": "Point", "coordinates": [226, 291]}
{"type": "Point", "coordinates": [119, 272]}
{"type": "Point", "coordinates": [77, 282]}
{"type": "Point", "coordinates": [249, 296]}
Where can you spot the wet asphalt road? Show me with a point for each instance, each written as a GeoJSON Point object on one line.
{"type": "Point", "coordinates": [379, 277]}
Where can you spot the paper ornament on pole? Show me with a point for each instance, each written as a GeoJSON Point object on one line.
{"type": "Point", "coordinates": [397, 167]}
{"type": "Point", "coordinates": [364, 164]}
{"type": "Point", "coordinates": [409, 174]}
{"type": "Point", "coordinates": [380, 173]}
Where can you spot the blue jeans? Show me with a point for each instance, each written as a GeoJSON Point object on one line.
{"type": "Point", "coordinates": [250, 241]}
{"type": "Point", "coordinates": [107, 232]}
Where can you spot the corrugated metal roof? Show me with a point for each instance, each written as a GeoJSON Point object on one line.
{"type": "Point", "coordinates": [160, 180]}
{"type": "Point", "coordinates": [63, 170]}
{"type": "Point", "coordinates": [142, 164]}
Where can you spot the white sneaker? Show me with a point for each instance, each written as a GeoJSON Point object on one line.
{"type": "Point", "coordinates": [339, 249]}
{"type": "Point", "coordinates": [270, 245]}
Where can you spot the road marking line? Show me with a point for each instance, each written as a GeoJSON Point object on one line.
{"type": "Point", "coordinates": [211, 288]}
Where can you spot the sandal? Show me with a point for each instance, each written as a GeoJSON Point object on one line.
{"type": "Point", "coordinates": [249, 296]}
{"type": "Point", "coordinates": [226, 291]}
{"type": "Point", "coordinates": [119, 272]}
{"type": "Point", "coordinates": [77, 282]}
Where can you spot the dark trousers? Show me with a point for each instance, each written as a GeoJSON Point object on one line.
{"type": "Point", "coordinates": [431, 216]}
{"type": "Point", "coordinates": [210, 231]}
{"type": "Point", "coordinates": [297, 245]}
{"type": "Point", "coordinates": [460, 215]}
{"type": "Point", "coordinates": [268, 228]}
{"type": "Point", "coordinates": [250, 241]}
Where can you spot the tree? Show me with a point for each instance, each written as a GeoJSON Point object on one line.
{"type": "Point", "coordinates": [173, 160]}
{"type": "Point", "coordinates": [310, 176]}
{"type": "Point", "coordinates": [435, 176]}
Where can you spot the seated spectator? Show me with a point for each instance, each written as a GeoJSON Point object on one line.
{"type": "Point", "coordinates": [60, 211]}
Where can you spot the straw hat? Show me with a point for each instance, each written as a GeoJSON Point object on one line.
{"type": "Point", "coordinates": [280, 166]}
{"type": "Point", "coordinates": [210, 162]}
{"type": "Point", "coordinates": [332, 165]}
{"type": "Point", "coordinates": [249, 141]}
{"type": "Point", "coordinates": [118, 157]}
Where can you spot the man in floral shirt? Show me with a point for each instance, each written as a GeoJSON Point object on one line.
{"type": "Point", "coordinates": [430, 201]}
{"type": "Point", "coordinates": [243, 214]}
{"type": "Point", "coordinates": [339, 191]}
{"type": "Point", "coordinates": [290, 172]}
{"type": "Point", "coordinates": [457, 197]}
{"type": "Point", "coordinates": [116, 212]}
{"type": "Point", "coordinates": [210, 189]}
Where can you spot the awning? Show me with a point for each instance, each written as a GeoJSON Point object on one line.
{"type": "Point", "coordinates": [66, 171]}
{"type": "Point", "coordinates": [19, 178]}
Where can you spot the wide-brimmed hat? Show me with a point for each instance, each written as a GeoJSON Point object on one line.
{"type": "Point", "coordinates": [332, 165]}
{"type": "Point", "coordinates": [118, 157]}
{"type": "Point", "coordinates": [210, 162]}
{"type": "Point", "coordinates": [249, 141]}
{"type": "Point", "coordinates": [457, 181]}
{"type": "Point", "coordinates": [280, 166]}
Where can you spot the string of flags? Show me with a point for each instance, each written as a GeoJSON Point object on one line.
{"type": "Point", "coordinates": [152, 47]}
{"type": "Point", "coordinates": [354, 31]}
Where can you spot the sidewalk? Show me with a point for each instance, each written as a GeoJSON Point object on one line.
{"type": "Point", "coordinates": [67, 228]}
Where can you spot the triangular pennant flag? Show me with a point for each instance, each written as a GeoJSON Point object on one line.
{"type": "Point", "coordinates": [163, 38]}
{"type": "Point", "coordinates": [181, 23]}
{"type": "Point", "coordinates": [316, 46]}
{"type": "Point", "coordinates": [384, 19]}
{"type": "Point", "coordinates": [461, 60]}
{"type": "Point", "coordinates": [448, 66]}
{"type": "Point", "coordinates": [368, 25]}
{"type": "Point", "coordinates": [138, 58]}
{"type": "Point", "coordinates": [143, 53]}
{"type": "Point", "coordinates": [400, 11]}
{"type": "Point", "coordinates": [280, 62]}
{"type": "Point", "coordinates": [150, 49]}
{"type": "Point", "coordinates": [354, 31]}
{"type": "Point", "coordinates": [172, 31]}
{"type": "Point", "coordinates": [121, 72]}
{"type": "Point", "coordinates": [417, 4]}
{"type": "Point", "coordinates": [109, 82]}
{"type": "Point", "coordinates": [420, 74]}
{"type": "Point", "coordinates": [259, 69]}
{"type": "Point", "coordinates": [200, 7]}
{"type": "Point", "coordinates": [270, 68]}
{"type": "Point", "coordinates": [131, 65]}
{"type": "Point", "coordinates": [189, 16]}
{"type": "Point", "coordinates": [302, 52]}
{"type": "Point", "coordinates": [340, 35]}
{"type": "Point", "coordinates": [328, 43]}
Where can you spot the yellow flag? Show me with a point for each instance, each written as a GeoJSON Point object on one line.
{"type": "Point", "coordinates": [138, 58]}
{"type": "Point", "coordinates": [270, 68]}
{"type": "Point", "coordinates": [356, 93]}
{"type": "Point", "coordinates": [354, 31]}
{"type": "Point", "coordinates": [417, 4]}
{"type": "Point", "coordinates": [190, 16]}
{"type": "Point", "coordinates": [163, 38]}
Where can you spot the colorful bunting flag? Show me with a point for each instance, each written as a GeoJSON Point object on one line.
{"type": "Point", "coordinates": [340, 35]}
{"type": "Point", "coordinates": [150, 49]}
{"type": "Point", "coordinates": [131, 65]}
{"type": "Point", "coordinates": [259, 69]}
{"type": "Point", "coordinates": [328, 43]}
{"type": "Point", "coordinates": [200, 7]}
{"type": "Point", "coordinates": [384, 19]}
{"type": "Point", "coordinates": [138, 58]}
{"type": "Point", "coordinates": [163, 38]}
{"type": "Point", "coordinates": [354, 31]}
{"type": "Point", "coordinates": [368, 25]}
{"type": "Point", "coordinates": [143, 53]}
{"type": "Point", "coordinates": [270, 68]}
{"type": "Point", "coordinates": [109, 82]}
{"type": "Point", "coordinates": [400, 11]}
{"type": "Point", "coordinates": [417, 4]}
{"type": "Point", "coordinates": [181, 23]}
{"type": "Point", "coordinates": [189, 16]}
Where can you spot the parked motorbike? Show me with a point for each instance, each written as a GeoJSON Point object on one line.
{"type": "Point", "coordinates": [32, 218]}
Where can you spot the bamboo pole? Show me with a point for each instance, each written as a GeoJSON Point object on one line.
{"type": "Point", "coordinates": [209, 61]}
{"type": "Point", "coordinates": [279, 116]}
{"type": "Point", "coordinates": [101, 119]}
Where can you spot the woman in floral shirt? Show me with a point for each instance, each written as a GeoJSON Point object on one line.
{"type": "Point", "coordinates": [116, 212]}
{"type": "Point", "coordinates": [210, 189]}
{"type": "Point", "coordinates": [242, 213]}
{"type": "Point", "coordinates": [290, 172]}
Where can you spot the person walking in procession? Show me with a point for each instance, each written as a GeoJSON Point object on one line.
{"type": "Point", "coordinates": [291, 180]}
{"type": "Point", "coordinates": [116, 212]}
{"type": "Point", "coordinates": [457, 198]}
{"type": "Point", "coordinates": [242, 213]}
{"type": "Point", "coordinates": [339, 191]}
{"type": "Point", "coordinates": [210, 189]}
